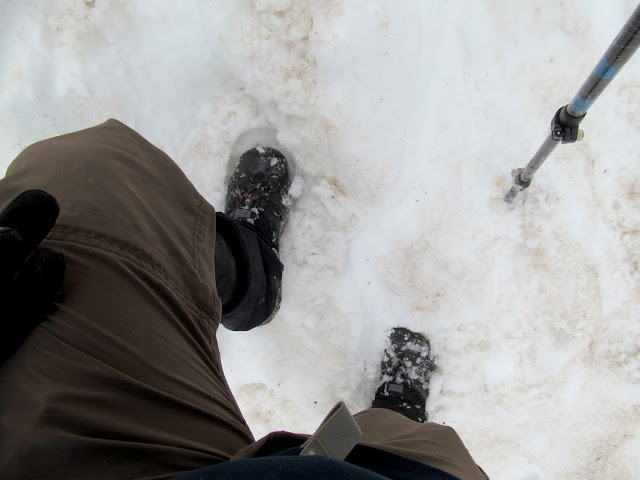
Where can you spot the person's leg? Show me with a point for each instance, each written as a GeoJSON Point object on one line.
{"type": "Point", "coordinates": [124, 380]}
{"type": "Point", "coordinates": [396, 421]}
{"type": "Point", "coordinates": [256, 207]}
{"type": "Point", "coordinates": [256, 272]}
{"type": "Point", "coordinates": [436, 445]}
{"type": "Point", "coordinates": [228, 269]}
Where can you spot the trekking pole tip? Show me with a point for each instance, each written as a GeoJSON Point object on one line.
{"type": "Point", "coordinates": [511, 195]}
{"type": "Point", "coordinates": [518, 185]}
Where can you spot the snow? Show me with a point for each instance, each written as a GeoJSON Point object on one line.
{"type": "Point", "coordinates": [405, 120]}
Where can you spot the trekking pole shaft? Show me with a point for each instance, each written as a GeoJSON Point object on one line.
{"type": "Point", "coordinates": [522, 177]}
{"type": "Point", "coordinates": [564, 126]}
{"type": "Point", "coordinates": [616, 56]}
{"type": "Point", "coordinates": [548, 146]}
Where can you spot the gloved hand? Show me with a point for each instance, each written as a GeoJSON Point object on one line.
{"type": "Point", "coordinates": [30, 277]}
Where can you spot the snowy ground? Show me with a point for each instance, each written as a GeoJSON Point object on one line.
{"type": "Point", "coordinates": [405, 119]}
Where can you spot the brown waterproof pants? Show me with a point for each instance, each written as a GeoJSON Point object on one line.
{"type": "Point", "coordinates": [124, 380]}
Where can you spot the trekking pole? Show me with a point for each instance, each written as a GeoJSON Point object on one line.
{"type": "Point", "coordinates": [566, 122]}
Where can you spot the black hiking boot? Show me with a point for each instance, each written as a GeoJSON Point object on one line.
{"type": "Point", "coordinates": [257, 196]}
{"type": "Point", "coordinates": [407, 366]}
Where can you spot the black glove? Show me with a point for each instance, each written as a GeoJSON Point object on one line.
{"type": "Point", "coordinates": [30, 277]}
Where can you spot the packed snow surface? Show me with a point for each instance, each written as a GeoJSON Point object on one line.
{"type": "Point", "coordinates": [405, 120]}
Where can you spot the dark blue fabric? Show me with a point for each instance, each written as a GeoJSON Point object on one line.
{"type": "Point", "coordinates": [288, 467]}
{"type": "Point", "coordinates": [395, 466]}
{"type": "Point", "coordinates": [364, 463]}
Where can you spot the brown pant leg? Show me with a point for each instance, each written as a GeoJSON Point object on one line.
{"type": "Point", "coordinates": [124, 380]}
{"type": "Point", "coordinates": [430, 443]}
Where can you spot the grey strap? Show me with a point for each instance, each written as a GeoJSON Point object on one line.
{"type": "Point", "coordinates": [337, 435]}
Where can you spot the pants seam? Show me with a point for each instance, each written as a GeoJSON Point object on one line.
{"type": "Point", "coordinates": [101, 242]}
{"type": "Point", "coordinates": [197, 232]}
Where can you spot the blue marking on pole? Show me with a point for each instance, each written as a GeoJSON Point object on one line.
{"type": "Point", "coordinates": [604, 70]}
{"type": "Point", "coordinates": [580, 105]}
